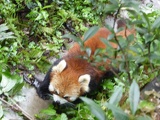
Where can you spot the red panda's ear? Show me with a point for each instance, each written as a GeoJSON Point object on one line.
{"type": "Point", "coordinates": [60, 67]}
{"type": "Point", "coordinates": [84, 80]}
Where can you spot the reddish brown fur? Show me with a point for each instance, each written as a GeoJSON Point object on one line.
{"type": "Point", "coordinates": [67, 80]}
{"type": "Point", "coordinates": [94, 43]}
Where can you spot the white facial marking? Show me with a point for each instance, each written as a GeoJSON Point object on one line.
{"type": "Point", "coordinates": [84, 80]}
{"type": "Point", "coordinates": [56, 98]}
{"type": "Point", "coordinates": [73, 98]}
{"type": "Point", "coordinates": [57, 91]}
{"type": "Point", "coordinates": [60, 67]}
{"type": "Point", "coordinates": [51, 88]}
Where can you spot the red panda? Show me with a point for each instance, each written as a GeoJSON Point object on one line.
{"type": "Point", "coordinates": [71, 76]}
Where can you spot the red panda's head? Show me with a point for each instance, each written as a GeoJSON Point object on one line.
{"type": "Point", "coordinates": [70, 79]}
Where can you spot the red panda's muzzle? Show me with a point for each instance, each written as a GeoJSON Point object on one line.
{"type": "Point", "coordinates": [61, 101]}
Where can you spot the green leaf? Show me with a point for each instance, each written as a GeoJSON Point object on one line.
{"type": "Point", "coordinates": [17, 88]}
{"type": "Point", "coordinates": [116, 96]}
{"type": "Point", "coordinates": [114, 2]}
{"type": "Point", "coordinates": [95, 109]}
{"type": "Point", "coordinates": [110, 37]}
{"type": "Point", "coordinates": [6, 35]}
{"type": "Point", "coordinates": [145, 117]}
{"type": "Point", "coordinates": [156, 23]}
{"type": "Point", "coordinates": [146, 20]}
{"type": "Point", "coordinates": [106, 42]}
{"type": "Point", "coordinates": [134, 95]}
{"type": "Point", "coordinates": [49, 111]}
{"type": "Point", "coordinates": [3, 27]}
{"type": "Point", "coordinates": [7, 83]}
{"type": "Point", "coordinates": [88, 51]}
{"type": "Point", "coordinates": [35, 53]}
{"type": "Point", "coordinates": [111, 8]}
{"type": "Point", "coordinates": [118, 113]}
{"type": "Point", "coordinates": [110, 28]}
{"type": "Point", "coordinates": [44, 14]}
{"type": "Point", "coordinates": [141, 30]}
{"type": "Point", "coordinates": [47, 30]}
{"type": "Point", "coordinates": [130, 38]}
{"type": "Point", "coordinates": [146, 106]}
{"type": "Point", "coordinates": [63, 117]}
{"type": "Point", "coordinates": [90, 32]}
{"type": "Point", "coordinates": [76, 39]}
{"type": "Point", "coordinates": [1, 111]}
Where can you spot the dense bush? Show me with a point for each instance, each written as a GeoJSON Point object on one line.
{"type": "Point", "coordinates": [31, 32]}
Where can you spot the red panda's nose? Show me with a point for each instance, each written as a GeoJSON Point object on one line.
{"type": "Point", "coordinates": [57, 102]}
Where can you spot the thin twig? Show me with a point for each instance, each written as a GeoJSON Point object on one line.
{"type": "Point", "coordinates": [149, 54]}
{"type": "Point", "coordinates": [123, 52]}
{"type": "Point", "coordinates": [16, 105]}
{"type": "Point", "coordinates": [116, 14]}
{"type": "Point", "coordinates": [22, 110]}
{"type": "Point", "coordinates": [7, 103]}
{"type": "Point", "coordinates": [126, 59]}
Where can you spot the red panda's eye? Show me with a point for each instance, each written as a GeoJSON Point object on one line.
{"type": "Point", "coordinates": [66, 97]}
{"type": "Point", "coordinates": [56, 92]}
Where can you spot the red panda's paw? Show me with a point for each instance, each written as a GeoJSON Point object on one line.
{"type": "Point", "coordinates": [45, 95]}
{"type": "Point", "coordinates": [40, 86]}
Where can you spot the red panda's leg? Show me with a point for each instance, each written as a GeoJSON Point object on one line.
{"type": "Point", "coordinates": [42, 88]}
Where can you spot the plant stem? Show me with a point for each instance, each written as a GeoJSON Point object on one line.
{"type": "Point", "coordinates": [16, 105]}
{"type": "Point", "coordinates": [124, 54]}
{"type": "Point", "coordinates": [149, 54]}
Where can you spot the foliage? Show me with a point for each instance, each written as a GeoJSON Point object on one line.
{"type": "Point", "coordinates": [139, 59]}
{"type": "Point", "coordinates": [31, 32]}
{"type": "Point", "coordinates": [118, 113]}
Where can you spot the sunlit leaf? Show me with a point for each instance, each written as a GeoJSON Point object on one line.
{"type": "Point", "coordinates": [63, 117]}
{"type": "Point", "coordinates": [90, 32]}
{"type": "Point", "coordinates": [146, 106]}
{"type": "Point", "coordinates": [116, 96]}
{"type": "Point", "coordinates": [3, 27]}
{"type": "Point", "coordinates": [1, 111]}
{"type": "Point", "coordinates": [95, 109]}
{"type": "Point", "coordinates": [49, 111]}
{"type": "Point", "coordinates": [7, 83]}
{"type": "Point", "coordinates": [6, 35]}
{"type": "Point", "coordinates": [47, 30]}
{"type": "Point", "coordinates": [134, 95]}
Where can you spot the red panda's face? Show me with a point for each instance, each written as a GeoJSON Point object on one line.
{"type": "Point", "coordinates": [65, 86]}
